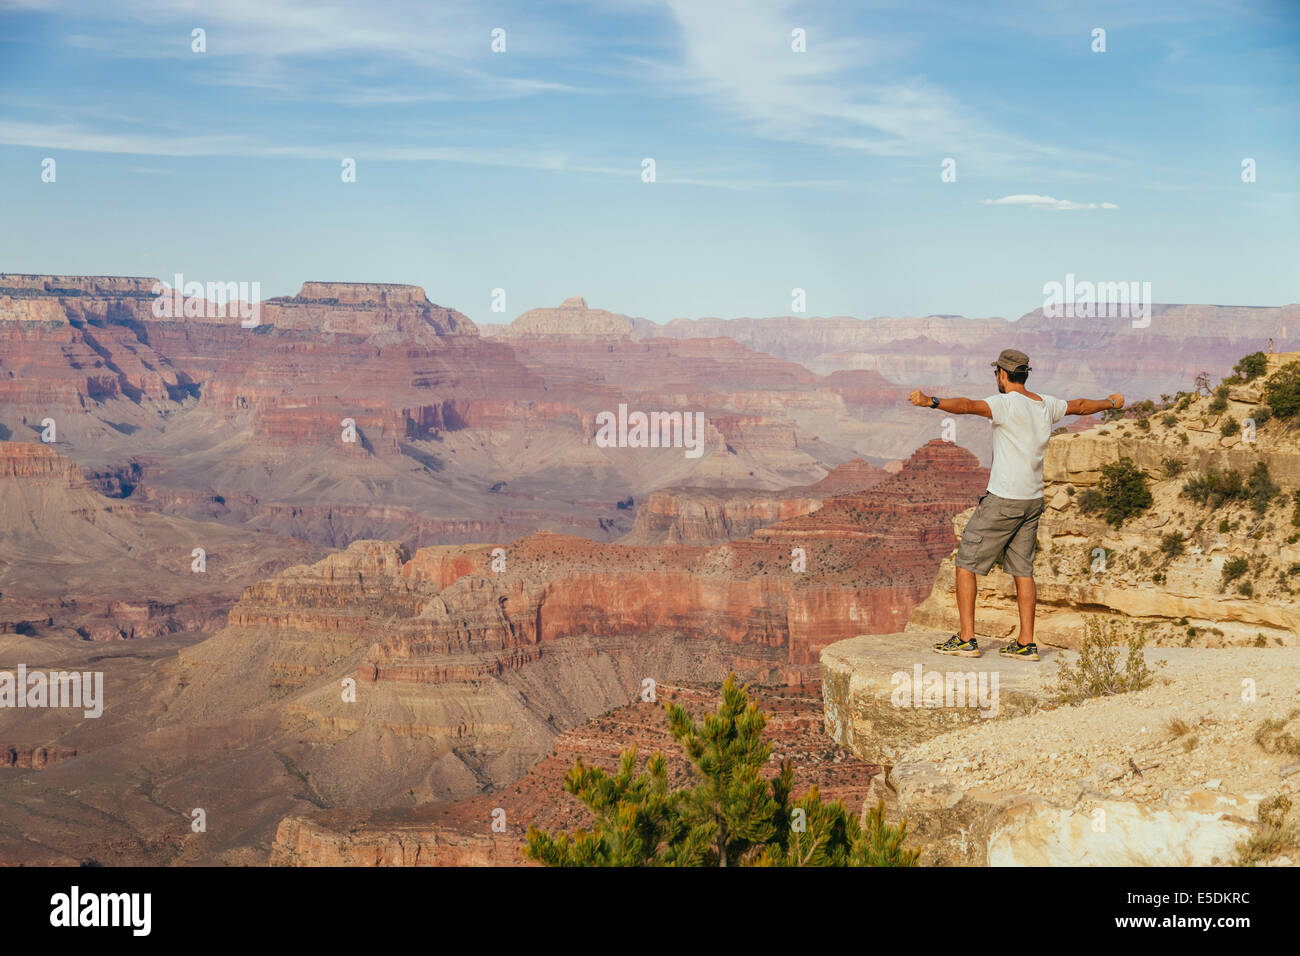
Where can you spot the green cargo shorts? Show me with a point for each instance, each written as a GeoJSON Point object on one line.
{"type": "Point", "coordinates": [1001, 526]}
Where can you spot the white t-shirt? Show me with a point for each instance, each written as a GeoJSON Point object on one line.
{"type": "Point", "coordinates": [1021, 427]}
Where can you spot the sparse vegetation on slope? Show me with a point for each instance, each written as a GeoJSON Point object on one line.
{"type": "Point", "coordinates": [1282, 391]}
{"type": "Point", "coordinates": [1275, 736]}
{"type": "Point", "coordinates": [1248, 368]}
{"type": "Point", "coordinates": [1096, 672]}
{"type": "Point", "coordinates": [1275, 835]}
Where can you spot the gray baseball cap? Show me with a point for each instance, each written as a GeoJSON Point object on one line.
{"type": "Point", "coordinates": [1013, 360]}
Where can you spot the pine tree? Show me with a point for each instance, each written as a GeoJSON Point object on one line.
{"type": "Point", "coordinates": [733, 816]}
{"type": "Point", "coordinates": [636, 818]}
{"type": "Point", "coordinates": [733, 808]}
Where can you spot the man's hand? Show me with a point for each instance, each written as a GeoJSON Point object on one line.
{"type": "Point", "coordinates": [1117, 399]}
{"type": "Point", "coordinates": [917, 398]}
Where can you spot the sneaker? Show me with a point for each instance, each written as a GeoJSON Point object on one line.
{"type": "Point", "coordinates": [959, 648]}
{"type": "Point", "coordinates": [1025, 652]}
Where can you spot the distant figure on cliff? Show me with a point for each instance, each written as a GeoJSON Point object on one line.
{"type": "Point", "coordinates": [1270, 346]}
{"type": "Point", "coordinates": [1005, 522]}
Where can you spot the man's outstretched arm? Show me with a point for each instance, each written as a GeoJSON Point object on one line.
{"type": "Point", "coordinates": [955, 406]}
{"type": "Point", "coordinates": [1090, 406]}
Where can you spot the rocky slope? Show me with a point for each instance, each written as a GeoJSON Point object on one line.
{"type": "Point", "coordinates": [58, 535]}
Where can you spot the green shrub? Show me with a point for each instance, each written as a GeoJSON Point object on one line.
{"type": "Point", "coordinates": [1283, 390]}
{"type": "Point", "coordinates": [1215, 487]}
{"type": "Point", "coordinates": [1230, 427]}
{"type": "Point", "coordinates": [1250, 367]}
{"type": "Point", "coordinates": [1121, 493]}
{"type": "Point", "coordinates": [1171, 545]}
{"type": "Point", "coordinates": [1220, 401]}
{"type": "Point", "coordinates": [1173, 466]}
{"type": "Point", "coordinates": [1169, 421]}
{"type": "Point", "coordinates": [1234, 569]}
{"type": "Point", "coordinates": [1261, 414]}
{"type": "Point", "coordinates": [1260, 488]}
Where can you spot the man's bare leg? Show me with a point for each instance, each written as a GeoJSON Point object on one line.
{"type": "Point", "coordinates": [1026, 597]}
{"type": "Point", "coordinates": [966, 603]}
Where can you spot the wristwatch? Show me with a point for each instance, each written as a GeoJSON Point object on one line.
{"type": "Point", "coordinates": [934, 401]}
{"type": "Point", "coordinates": [1112, 402]}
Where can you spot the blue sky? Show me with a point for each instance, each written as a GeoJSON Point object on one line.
{"type": "Point", "coordinates": [775, 169]}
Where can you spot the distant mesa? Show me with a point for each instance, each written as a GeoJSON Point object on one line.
{"type": "Point", "coordinates": [390, 311]}
{"type": "Point", "coordinates": [387, 294]}
{"type": "Point", "coordinates": [575, 317]}
{"type": "Point", "coordinates": [19, 282]}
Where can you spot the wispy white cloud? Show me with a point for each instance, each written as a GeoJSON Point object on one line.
{"type": "Point", "coordinates": [1046, 202]}
{"type": "Point", "coordinates": [300, 49]}
{"type": "Point", "coordinates": [842, 93]}
{"type": "Point", "coordinates": [77, 138]}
